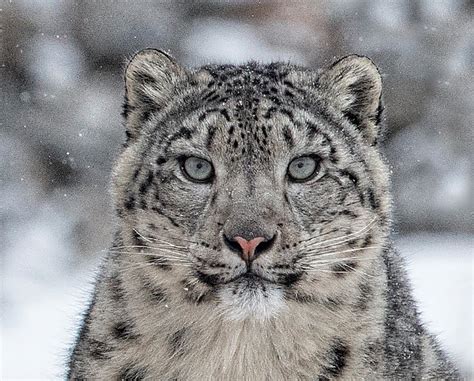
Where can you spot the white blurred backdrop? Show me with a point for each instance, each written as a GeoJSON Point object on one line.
{"type": "Point", "coordinates": [61, 89]}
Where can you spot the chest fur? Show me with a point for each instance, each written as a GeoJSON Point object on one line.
{"type": "Point", "coordinates": [291, 348]}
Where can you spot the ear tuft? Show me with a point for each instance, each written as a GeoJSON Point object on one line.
{"type": "Point", "coordinates": [151, 77]}
{"type": "Point", "coordinates": [353, 86]}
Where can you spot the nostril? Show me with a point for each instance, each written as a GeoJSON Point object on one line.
{"type": "Point", "coordinates": [233, 245]}
{"type": "Point", "coordinates": [264, 246]}
{"type": "Point", "coordinates": [248, 250]}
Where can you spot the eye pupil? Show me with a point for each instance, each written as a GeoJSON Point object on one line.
{"type": "Point", "coordinates": [303, 168]}
{"type": "Point", "coordinates": [197, 169]}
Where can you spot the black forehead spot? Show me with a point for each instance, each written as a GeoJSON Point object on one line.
{"type": "Point", "coordinates": [270, 112]}
{"type": "Point", "coordinates": [161, 160]}
{"type": "Point", "coordinates": [276, 100]}
{"type": "Point", "coordinates": [225, 114]}
{"type": "Point", "coordinates": [288, 113]}
{"type": "Point", "coordinates": [251, 74]}
{"type": "Point", "coordinates": [288, 137]}
{"type": "Point", "coordinates": [210, 136]}
{"type": "Point", "coordinates": [182, 133]}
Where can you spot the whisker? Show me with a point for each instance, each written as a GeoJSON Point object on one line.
{"type": "Point", "coordinates": [174, 238]}
{"type": "Point", "coordinates": [344, 238]}
{"type": "Point", "coordinates": [154, 240]}
{"type": "Point", "coordinates": [342, 261]}
{"type": "Point", "coordinates": [318, 254]}
{"type": "Point", "coordinates": [142, 251]}
{"type": "Point", "coordinates": [149, 247]}
{"type": "Point", "coordinates": [323, 245]}
{"type": "Point", "coordinates": [141, 235]}
{"type": "Point", "coordinates": [321, 235]}
{"type": "Point", "coordinates": [343, 272]}
{"type": "Point", "coordinates": [163, 260]}
{"type": "Point", "coordinates": [192, 282]}
{"type": "Point", "coordinates": [347, 237]}
{"type": "Point", "coordinates": [140, 266]}
{"type": "Point", "coordinates": [156, 255]}
{"type": "Point", "coordinates": [352, 269]}
{"type": "Point", "coordinates": [157, 240]}
{"type": "Point", "coordinates": [337, 260]}
{"type": "Point", "coordinates": [156, 248]}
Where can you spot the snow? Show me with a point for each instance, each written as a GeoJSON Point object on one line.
{"type": "Point", "coordinates": [441, 269]}
{"type": "Point", "coordinates": [43, 296]}
{"type": "Point", "coordinates": [231, 41]}
{"type": "Point", "coordinates": [55, 64]}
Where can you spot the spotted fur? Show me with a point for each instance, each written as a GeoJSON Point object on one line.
{"type": "Point", "coordinates": [327, 298]}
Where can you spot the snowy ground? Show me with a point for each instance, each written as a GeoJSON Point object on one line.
{"type": "Point", "coordinates": [43, 296]}
{"type": "Point", "coordinates": [441, 269]}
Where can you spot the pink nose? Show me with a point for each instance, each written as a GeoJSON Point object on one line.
{"type": "Point", "coordinates": [248, 247]}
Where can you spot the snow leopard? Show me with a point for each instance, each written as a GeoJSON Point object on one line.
{"type": "Point", "coordinates": [253, 232]}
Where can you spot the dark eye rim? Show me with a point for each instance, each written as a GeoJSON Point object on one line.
{"type": "Point", "coordinates": [207, 180]}
{"type": "Point", "coordinates": [317, 168]}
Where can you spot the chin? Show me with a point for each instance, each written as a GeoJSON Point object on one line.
{"type": "Point", "coordinates": [250, 297]}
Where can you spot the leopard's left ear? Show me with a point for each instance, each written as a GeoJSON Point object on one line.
{"type": "Point", "coordinates": [353, 86]}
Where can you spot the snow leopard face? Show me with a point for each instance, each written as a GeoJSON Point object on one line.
{"type": "Point", "coordinates": [251, 187]}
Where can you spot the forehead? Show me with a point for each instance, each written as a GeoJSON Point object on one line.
{"type": "Point", "coordinates": [242, 129]}
{"type": "Point", "coordinates": [249, 112]}
{"type": "Point", "coordinates": [251, 102]}
{"type": "Point", "coordinates": [247, 88]}
{"type": "Point", "coordinates": [258, 76]}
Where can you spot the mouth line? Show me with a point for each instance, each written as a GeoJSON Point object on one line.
{"type": "Point", "coordinates": [250, 275]}
{"type": "Point", "coordinates": [214, 280]}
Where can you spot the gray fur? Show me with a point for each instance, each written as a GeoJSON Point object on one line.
{"type": "Point", "coordinates": [335, 302]}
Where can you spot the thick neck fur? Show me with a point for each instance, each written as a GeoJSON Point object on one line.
{"type": "Point", "coordinates": [190, 341]}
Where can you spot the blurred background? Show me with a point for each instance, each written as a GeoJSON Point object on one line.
{"type": "Point", "coordinates": [61, 89]}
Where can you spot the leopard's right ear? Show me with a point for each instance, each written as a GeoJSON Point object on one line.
{"type": "Point", "coordinates": [150, 80]}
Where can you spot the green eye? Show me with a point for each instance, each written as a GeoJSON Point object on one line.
{"type": "Point", "coordinates": [303, 168]}
{"type": "Point", "coordinates": [197, 169]}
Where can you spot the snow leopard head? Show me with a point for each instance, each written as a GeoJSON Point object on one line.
{"type": "Point", "coordinates": [251, 187]}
